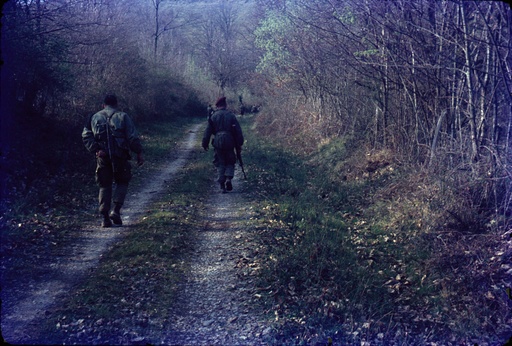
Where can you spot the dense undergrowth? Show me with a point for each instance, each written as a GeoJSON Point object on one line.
{"type": "Point", "coordinates": [359, 249]}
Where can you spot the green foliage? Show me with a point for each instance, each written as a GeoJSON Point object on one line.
{"type": "Point", "coordinates": [367, 53]}
{"type": "Point", "coordinates": [331, 151]}
{"type": "Point", "coordinates": [272, 36]}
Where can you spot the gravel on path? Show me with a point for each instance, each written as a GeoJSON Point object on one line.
{"type": "Point", "coordinates": [217, 304]}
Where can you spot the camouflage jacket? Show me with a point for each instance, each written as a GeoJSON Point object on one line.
{"type": "Point", "coordinates": [117, 139]}
{"type": "Point", "coordinates": [228, 133]}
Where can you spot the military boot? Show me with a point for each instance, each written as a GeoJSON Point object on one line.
{"type": "Point", "coordinates": [115, 215]}
{"type": "Point", "coordinates": [229, 185]}
{"type": "Point", "coordinates": [106, 221]}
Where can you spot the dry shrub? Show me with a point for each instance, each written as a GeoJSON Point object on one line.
{"type": "Point", "coordinates": [451, 201]}
{"type": "Point", "coordinates": [407, 201]}
{"type": "Point", "coordinates": [469, 201]}
{"type": "Point", "coordinates": [362, 163]}
{"type": "Point", "coordinates": [291, 122]}
{"type": "Point", "coordinates": [461, 263]}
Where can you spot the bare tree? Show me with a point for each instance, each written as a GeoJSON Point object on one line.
{"type": "Point", "coordinates": [429, 80]}
{"type": "Point", "coordinates": [224, 43]}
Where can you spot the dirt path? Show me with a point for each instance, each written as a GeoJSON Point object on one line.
{"type": "Point", "coordinates": [214, 305]}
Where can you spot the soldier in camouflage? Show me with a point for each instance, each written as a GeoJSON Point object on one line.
{"type": "Point", "coordinates": [224, 125]}
{"type": "Point", "coordinates": [110, 134]}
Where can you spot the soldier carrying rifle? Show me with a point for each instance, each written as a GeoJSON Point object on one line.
{"type": "Point", "coordinates": [224, 125]}
{"type": "Point", "coordinates": [110, 134]}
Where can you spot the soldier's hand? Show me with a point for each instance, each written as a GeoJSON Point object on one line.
{"type": "Point", "coordinates": [101, 153]}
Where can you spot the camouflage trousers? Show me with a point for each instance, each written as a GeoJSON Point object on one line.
{"type": "Point", "coordinates": [225, 161]}
{"type": "Point", "coordinates": [108, 172]}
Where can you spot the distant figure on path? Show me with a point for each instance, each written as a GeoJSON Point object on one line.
{"type": "Point", "coordinates": [241, 105]}
{"type": "Point", "coordinates": [110, 134]}
{"type": "Point", "coordinates": [228, 136]}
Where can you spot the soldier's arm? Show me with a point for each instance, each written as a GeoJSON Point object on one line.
{"type": "Point", "coordinates": [88, 138]}
{"type": "Point", "coordinates": [207, 134]}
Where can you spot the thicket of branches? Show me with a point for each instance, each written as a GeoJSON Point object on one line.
{"type": "Point", "coordinates": [61, 56]}
{"type": "Point", "coordinates": [429, 81]}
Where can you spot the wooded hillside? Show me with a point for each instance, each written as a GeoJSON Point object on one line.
{"type": "Point", "coordinates": [409, 101]}
{"type": "Point", "coordinates": [426, 82]}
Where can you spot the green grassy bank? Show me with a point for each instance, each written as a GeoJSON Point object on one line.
{"type": "Point", "coordinates": [355, 257]}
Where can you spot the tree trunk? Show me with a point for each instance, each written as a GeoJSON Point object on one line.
{"type": "Point", "coordinates": [468, 70]}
